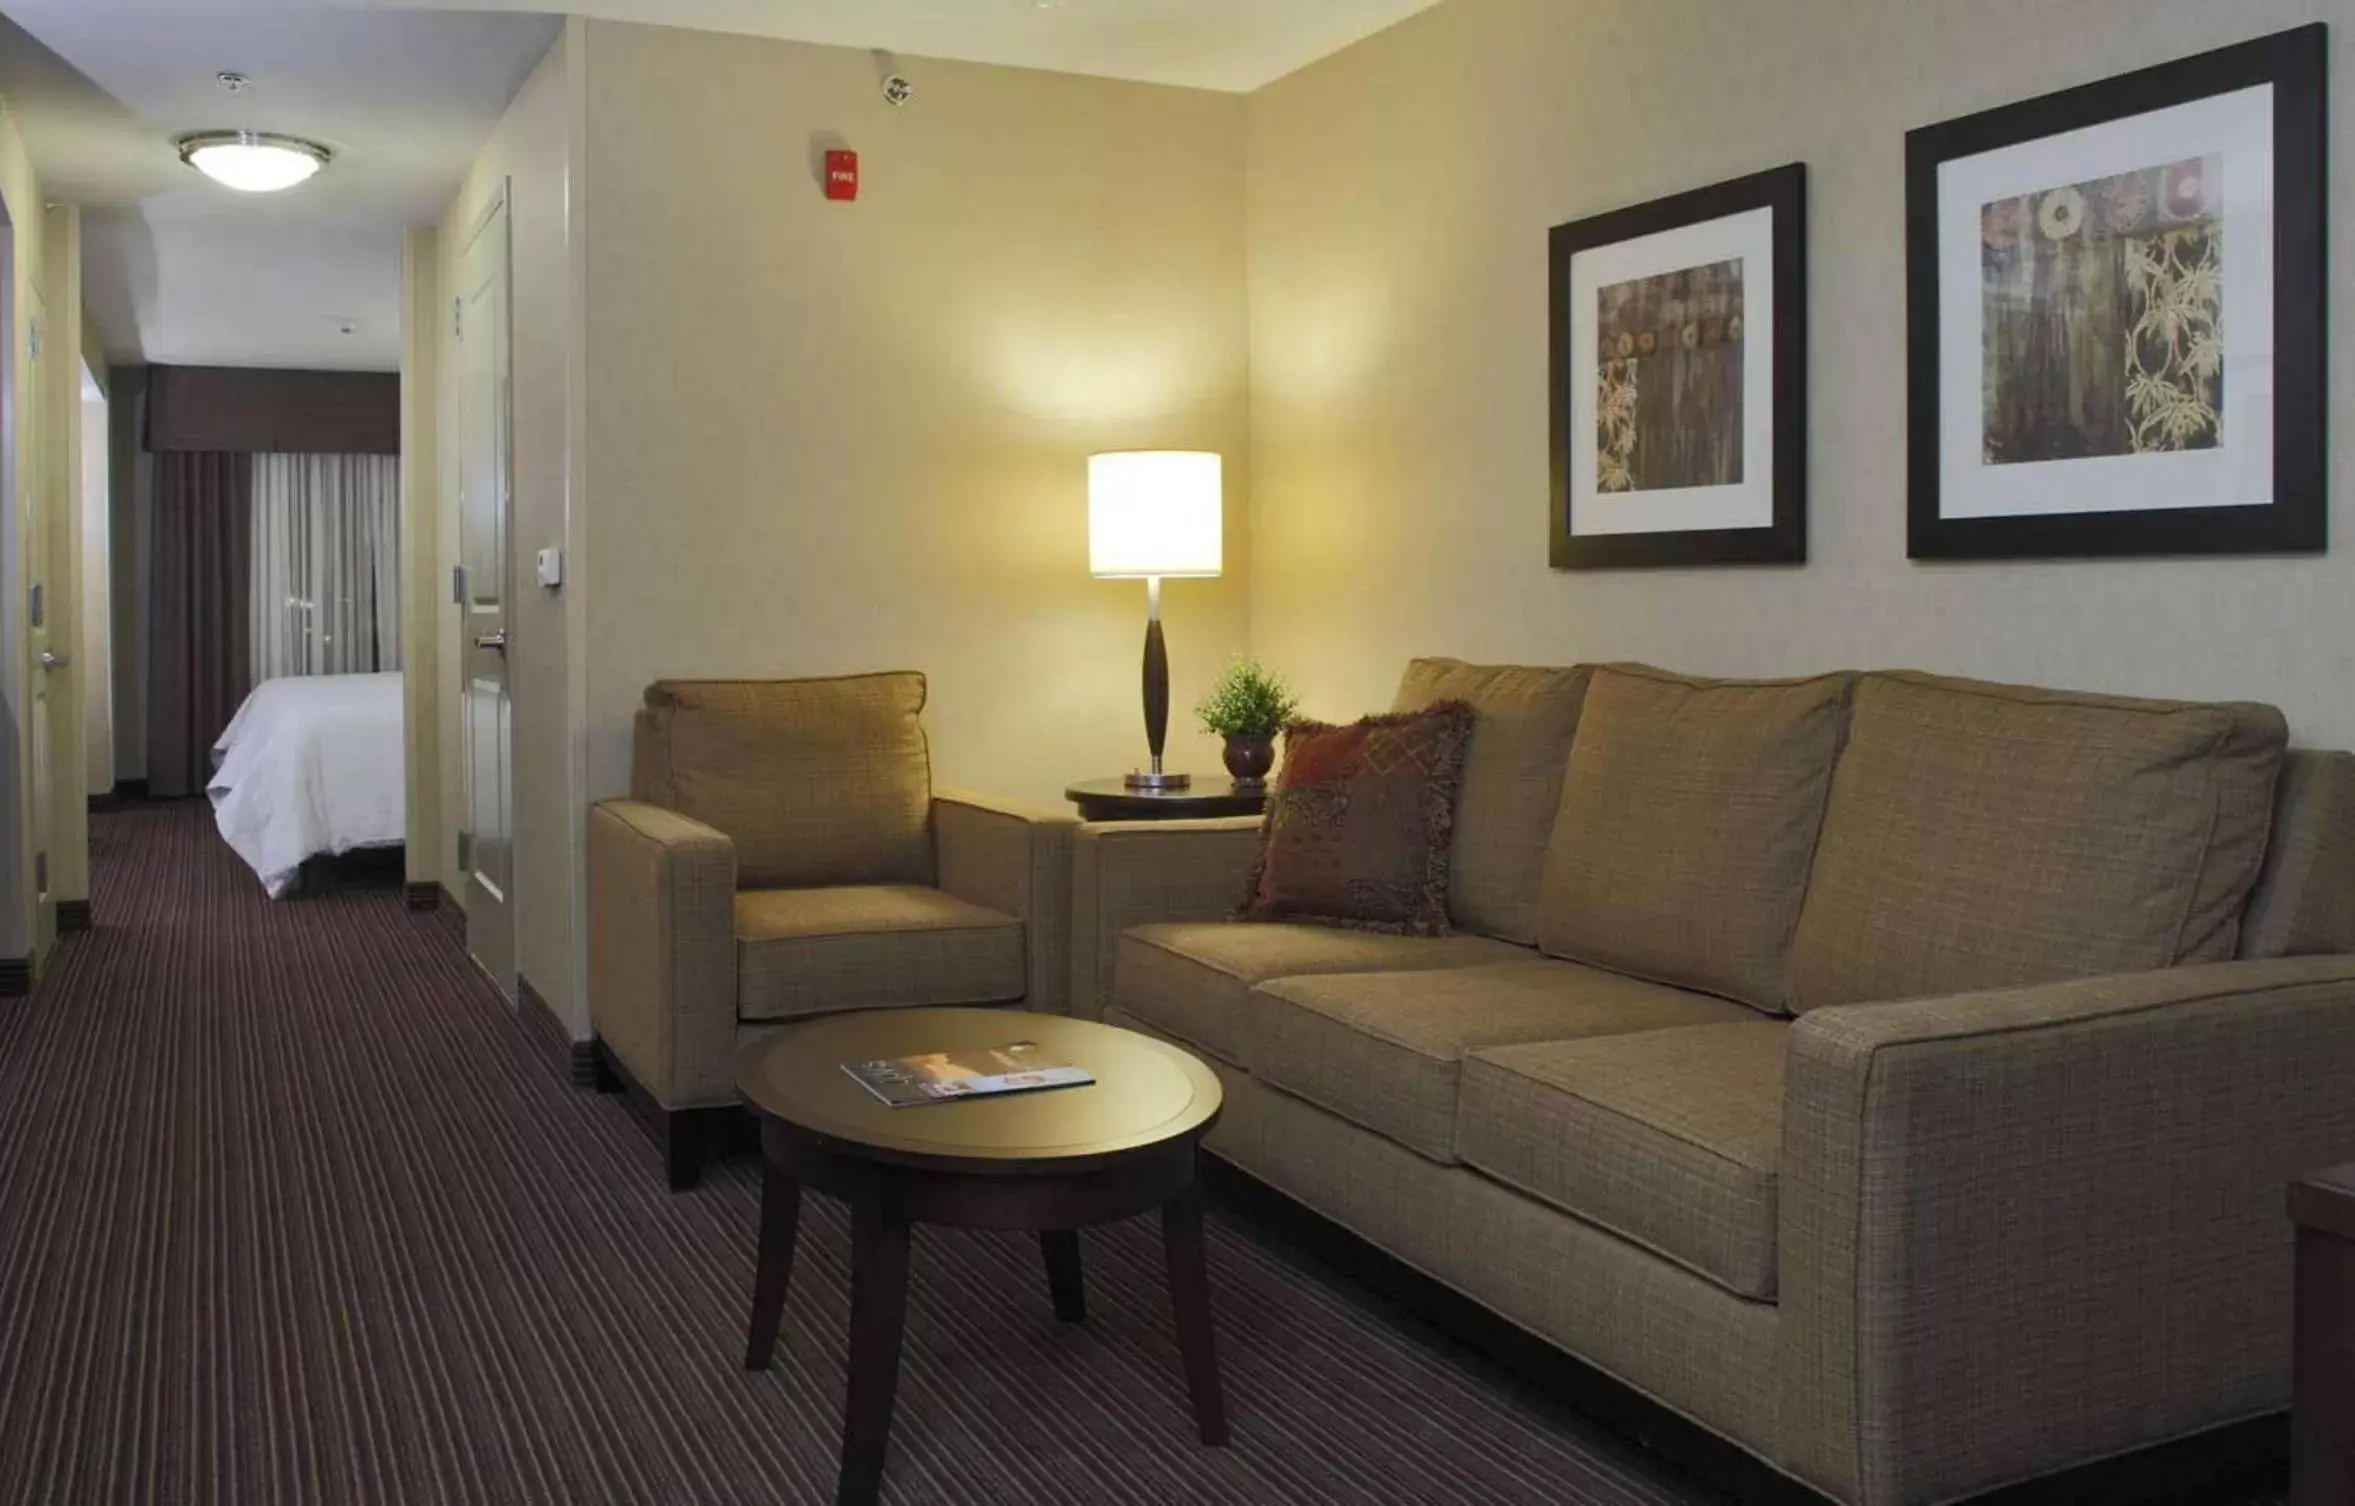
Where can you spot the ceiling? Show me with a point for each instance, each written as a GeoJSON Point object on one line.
{"type": "Point", "coordinates": [1234, 45]}
{"type": "Point", "coordinates": [179, 270]}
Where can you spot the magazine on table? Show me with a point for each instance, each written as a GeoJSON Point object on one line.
{"type": "Point", "coordinates": [973, 1072]}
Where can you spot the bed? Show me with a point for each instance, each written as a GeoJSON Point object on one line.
{"type": "Point", "coordinates": [310, 764]}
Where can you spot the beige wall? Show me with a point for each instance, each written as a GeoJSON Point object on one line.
{"type": "Point", "coordinates": [69, 687]}
{"type": "Point", "coordinates": [531, 153]}
{"type": "Point", "coordinates": [32, 419]}
{"type": "Point", "coordinates": [1400, 194]}
{"type": "Point", "coordinates": [94, 516]}
{"type": "Point", "coordinates": [130, 478]}
{"type": "Point", "coordinates": [425, 594]}
{"type": "Point", "coordinates": [832, 437]}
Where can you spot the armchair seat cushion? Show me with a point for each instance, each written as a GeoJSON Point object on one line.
{"type": "Point", "coordinates": [871, 946]}
{"type": "Point", "coordinates": [1386, 1050]}
{"type": "Point", "coordinates": [1193, 980]}
{"type": "Point", "coordinates": [1671, 1138]}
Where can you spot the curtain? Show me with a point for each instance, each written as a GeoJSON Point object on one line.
{"type": "Point", "coordinates": [326, 565]}
{"type": "Point", "coordinates": [199, 664]}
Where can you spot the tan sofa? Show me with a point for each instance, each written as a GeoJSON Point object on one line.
{"type": "Point", "coordinates": [1896, 1076]}
{"type": "Point", "coordinates": [783, 855]}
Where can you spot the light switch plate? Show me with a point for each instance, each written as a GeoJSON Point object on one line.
{"type": "Point", "coordinates": [551, 567]}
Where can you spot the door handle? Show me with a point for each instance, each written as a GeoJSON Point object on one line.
{"type": "Point", "coordinates": [50, 659]}
{"type": "Point", "coordinates": [495, 642]}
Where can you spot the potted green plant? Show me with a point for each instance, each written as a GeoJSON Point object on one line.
{"type": "Point", "coordinates": [1248, 706]}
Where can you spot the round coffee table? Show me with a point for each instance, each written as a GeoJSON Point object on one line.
{"type": "Point", "coordinates": [1054, 1161]}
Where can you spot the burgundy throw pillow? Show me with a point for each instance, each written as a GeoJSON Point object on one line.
{"type": "Point", "coordinates": [1361, 821]}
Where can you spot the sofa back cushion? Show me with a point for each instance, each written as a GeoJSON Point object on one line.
{"type": "Point", "coordinates": [816, 781]}
{"type": "Point", "coordinates": [1524, 719]}
{"type": "Point", "coordinates": [1689, 815]}
{"type": "Point", "coordinates": [2304, 902]}
{"type": "Point", "coordinates": [1982, 836]}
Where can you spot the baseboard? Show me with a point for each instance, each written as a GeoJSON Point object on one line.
{"type": "Point", "coordinates": [16, 977]}
{"type": "Point", "coordinates": [2242, 1462]}
{"type": "Point", "coordinates": [423, 896]}
{"type": "Point", "coordinates": [451, 914]}
{"type": "Point", "coordinates": [576, 1060]}
{"type": "Point", "coordinates": [125, 792]}
{"type": "Point", "coordinates": [73, 915]}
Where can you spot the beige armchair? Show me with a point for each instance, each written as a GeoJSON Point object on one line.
{"type": "Point", "coordinates": [784, 855]}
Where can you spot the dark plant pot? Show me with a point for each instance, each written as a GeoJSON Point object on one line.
{"type": "Point", "coordinates": [1249, 758]}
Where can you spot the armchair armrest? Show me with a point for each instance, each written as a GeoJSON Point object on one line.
{"type": "Point", "coordinates": [1015, 858]}
{"type": "Point", "coordinates": [662, 950]}
{"type": "Point", "coordinates": [2037, 1226]}
{"type": "Point", "coordinates": [1135, 873]}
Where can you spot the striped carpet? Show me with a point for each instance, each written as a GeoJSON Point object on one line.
{"type": "Point", "coordinates": [289, 1214]}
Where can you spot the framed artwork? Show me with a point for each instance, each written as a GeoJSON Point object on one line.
{"type": "Point", "coordinates": [1679, 344]}
{"type": "Point", "coordinates": [2115, 315]}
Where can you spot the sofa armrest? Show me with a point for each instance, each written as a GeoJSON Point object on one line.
{"type": "Point", "coordinates": [2030, 1227]}
{"type": "Point", "coordinates": [1015, 858]}
{"type": "Point", "coordinates": [662, 950]}
{"type": "Point", "coordinates": [1135, 873]}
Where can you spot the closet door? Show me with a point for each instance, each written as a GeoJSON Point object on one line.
{"type": "Point", "coordinates": [486, 555]}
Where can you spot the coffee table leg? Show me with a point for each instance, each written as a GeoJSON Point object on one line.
{"type": "Point", "coordinates": [1064, 1283]}
{"type": "Point", "coordinates": [878, 1303]}
{"type": "Point", "coordinates": [780, 1221]}
{"type": "Point", "coordinates": [1189, 1294]}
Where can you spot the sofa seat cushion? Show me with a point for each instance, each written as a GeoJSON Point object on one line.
{"type": "Point", "coordinates": [1192, 980]}
{"type": "Point", "coordinates": [1985, 836]}
{"type": "Point", "coordinates": [871, 946]}
{"type": "Point", "coordinates": [1671, 1138]}
{"type": "Point", "coordinates": [1385, 1050]}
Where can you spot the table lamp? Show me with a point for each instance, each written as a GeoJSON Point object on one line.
{"type": "Point", "coordinates": [1154, 514]}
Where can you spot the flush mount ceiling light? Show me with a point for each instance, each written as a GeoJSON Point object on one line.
{"type": "Point", "coordinates": [253, 161]}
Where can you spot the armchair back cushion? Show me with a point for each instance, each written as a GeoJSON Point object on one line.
{"type": "Point", "coordinates": [1523, 720]}
{"type": "Point", "coordinates": [1985, 836]}
{"type": "Point", "coordinates": [817, 782]}
{"type": "Point", "coordinates": [1689, 815]}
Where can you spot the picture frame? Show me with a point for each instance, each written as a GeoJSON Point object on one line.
{"type": "Point", "coordinates": [2115, 315]}
{"type": "Point", "coordinates": [1678, 342]}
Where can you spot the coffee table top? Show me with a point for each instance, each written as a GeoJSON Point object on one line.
{"type": "Point", "coordinates": [1146, 1092]}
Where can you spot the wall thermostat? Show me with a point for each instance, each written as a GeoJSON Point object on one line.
{"type": "Point", "coordinates": [551, 567]}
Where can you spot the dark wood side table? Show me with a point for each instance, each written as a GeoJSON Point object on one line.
{"type": "Point", "coordinates": [2322, 1424]}
{"type": "Point", "coordinates": [1056, 1161]}
{"type": "Point", "coordinates": [1113, 800]}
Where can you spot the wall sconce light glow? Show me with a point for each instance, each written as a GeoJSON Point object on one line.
{"type": "Point", "coordinates": [253, 161]}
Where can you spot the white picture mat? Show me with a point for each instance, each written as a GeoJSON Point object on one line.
{"type": "Point", "coordinates": [1747, 237]}
{"type": "Point", "coordinates": [2239, 472]}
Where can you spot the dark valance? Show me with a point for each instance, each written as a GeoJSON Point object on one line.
{"type": "Point", "coordinates": [260, 411]}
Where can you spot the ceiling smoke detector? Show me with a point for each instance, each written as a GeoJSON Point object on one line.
{"type": "Point", "coordinates": [253, 161]}
{"type": "Point", "coordinates": [232, 82]}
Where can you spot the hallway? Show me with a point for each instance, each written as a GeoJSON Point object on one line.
{"type": "Point", "coordinates": [290, 1214]}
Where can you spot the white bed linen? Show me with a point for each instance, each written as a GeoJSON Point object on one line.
{"type": "Point", "coordinates": [310, 764]}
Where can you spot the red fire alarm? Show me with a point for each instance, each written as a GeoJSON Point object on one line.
{"type": "Point", "coordinates": [842, 175]}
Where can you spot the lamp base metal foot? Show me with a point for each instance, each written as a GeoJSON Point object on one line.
{"type": "Point", "coordinates": [1160, 781]}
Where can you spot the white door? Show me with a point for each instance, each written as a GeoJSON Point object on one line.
{"type": "Point", "coordinates": [486, 847]}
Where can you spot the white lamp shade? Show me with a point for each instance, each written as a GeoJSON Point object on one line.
{"type": "Point", "coordinates": [1155, 512]}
